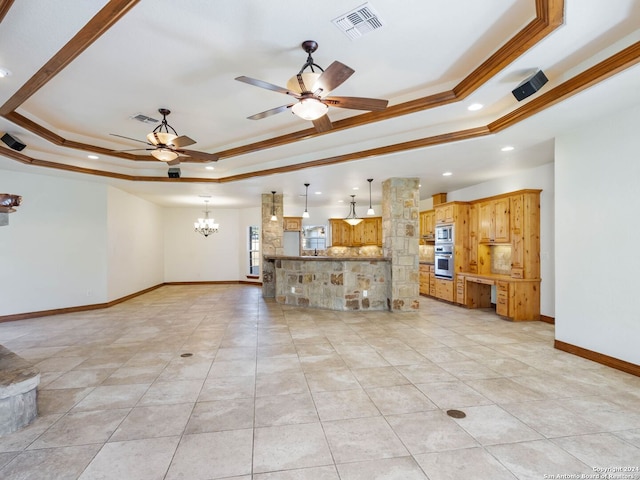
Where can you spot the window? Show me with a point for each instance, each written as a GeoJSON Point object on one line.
{"type": "Point", "coordinates": [254, 250]}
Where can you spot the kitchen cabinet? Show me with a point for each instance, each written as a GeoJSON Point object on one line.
{"type": "Point", "coordinates": [473, 239]}
{"type": "Point", "coordinates": [502, 298]}
{"type": "Point", "coordinates": [493, 221]}
{"type": "Point", "coordinates": [460, 289]}
{"type": "Point", "coordinates": [444, 289]}
{"type": "Point", "coordinates": [367, 232]}
{"type": "Point", "coordinates": [424, 279]}
{"type": "Point", "coordinates": [427, 223]}
{"type": "Point", "coordinates": [340, 233]}
{"type": "Point", "coordinates": [516, 299]}
{"type": "Point", "coordinates": [432, 281]}
{"type": "Point", "coordinates": [292, 224]}
{"type": "Point", "coordinates": [525, 235]}
{"type": "Point", "coordinates": [445, 213]}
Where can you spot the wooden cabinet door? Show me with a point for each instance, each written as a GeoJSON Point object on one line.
{"type": "Point", "coordinates": [340, 232]}
{"type": "Point", "coordinates": [493, 221]}
{"type": "Point", "coordinates": [424, 279]}
{"type": "Point", "coordinates": [292, 224]}
{"type": "Point", "coordinates": [357, 234]}
{"type": "Point", "coordinates": [379, 232]}
{"type": "Point", "coordinates": [501, 211]}
{"type": "Point", "coordinates": [445, 213]}
{"type": "Point", "coordinates": [370, 232]}
{"type": "Point", "coordinates": [427, 221]}
{"type": "Point", "coordinates": [444, 289]}
{"type": "Point", "coordinates": [517, 239]}
{"type": "Point", "coordinates": [473, 238]}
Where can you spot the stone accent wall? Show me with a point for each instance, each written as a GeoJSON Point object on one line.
{"type": "Point", "coordinates": [401, 232]}
{"type": "Point", "coordinates": [272, 241]}
{"type": "Point", "coordinates": [333, 284]}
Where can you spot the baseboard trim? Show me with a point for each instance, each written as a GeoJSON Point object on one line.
{"type": "Point", "coordinates": [98, 306]}
{"type": "Point", "coordinates": [79, 308]}
{"type": "Point", "coordinates": [601, 358]}
{"type": "Point", "coordinates": [546, 319]}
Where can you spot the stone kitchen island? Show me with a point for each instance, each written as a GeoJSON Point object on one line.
{"type": "Point", "coordinates": [335, 283]}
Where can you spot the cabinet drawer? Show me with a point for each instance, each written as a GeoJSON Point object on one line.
{"type": "Point", "coordinates": [517, 272]}
{"type": "Point", "coordinates": [502, 305]}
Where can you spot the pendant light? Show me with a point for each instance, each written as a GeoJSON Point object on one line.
{"type": "Point", "coordinates": [274, 218]}
{"type": "Point", "coordinates": [352, 219]}
{"type": "Point", "coordinates": [370, 211]}
{"type": "Point", "coordinates": [305, 214]}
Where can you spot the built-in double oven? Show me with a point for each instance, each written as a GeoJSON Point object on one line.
{"type": "Point", "coordinates": [443, 257]}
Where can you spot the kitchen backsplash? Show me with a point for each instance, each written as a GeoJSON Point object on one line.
{"type": "Point", "coordinates": [501, 259]}
{"type": "Point", "coordinates": [427, 252]}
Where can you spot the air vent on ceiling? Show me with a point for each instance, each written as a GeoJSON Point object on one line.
{"type": "Point", "coordinates": [143, 118]}
{"type": "Point", "coordinates": [359, 22]}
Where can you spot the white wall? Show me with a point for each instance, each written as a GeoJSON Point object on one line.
{"type": "Point", "coordinates": [135, 244]}
{"type": "Point", "coordinates": [597, 174]}
{"type": "Point", "coordinates": [191, 257]}
{"type": "Point", "coordinates": [53, 252]}
{"type": "Point", "coordinates": [539, 178]}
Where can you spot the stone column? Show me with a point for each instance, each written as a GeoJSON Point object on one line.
{"type": "Point", "coordinates": [272, 241]}
{"type": "Point", "coordinates": [401, 231]}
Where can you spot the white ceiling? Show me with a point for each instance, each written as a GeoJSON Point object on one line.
{"type": "Point", "coordinates": [185, 55]}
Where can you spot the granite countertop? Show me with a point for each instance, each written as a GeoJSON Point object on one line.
{"type": "Point", "coordinates": [325, 258]}
{"type": "Point", "coordinates": [427, 262]}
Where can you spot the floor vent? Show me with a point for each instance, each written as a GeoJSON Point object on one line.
{"type": "Point", "coordinates": [359, 22]}
{"type": "Point", "coordinates": [143, 118]}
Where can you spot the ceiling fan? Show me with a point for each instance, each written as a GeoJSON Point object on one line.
{"type": "Point", "coordinates": [309, 87]}
{"type": "Point", "coordinates": [167, 145]}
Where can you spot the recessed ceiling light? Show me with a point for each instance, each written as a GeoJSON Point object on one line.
{"type": "Point", "coordinates": [356, 188]}
{"type": "Point", "coordinates": [209, 168]}
{"type": "Point", "coordinates": [475, 106]}
{"type": "Point", "coordinates": [318, 193]}
{"type": "Point", "coordinates": [447, 174]}
{"type": "Point", "coordinates": [4, 72]}
{"type": "Point", "coordinates": [340, 201]}
{"type": "Point", "coordinates": [93, 157]}
{"type": "Point", "coordinates": [508, 148]}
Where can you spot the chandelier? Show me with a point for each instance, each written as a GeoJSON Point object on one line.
{"type": "Point", "coordinates": [206, 226]}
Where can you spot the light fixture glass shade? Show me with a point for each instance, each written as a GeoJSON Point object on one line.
{"type": "Point", "coordinates": [309, 109]}
{"type": "Point", "coordinates": [161, 138]}
{"type": "Point", "coordinates": [164, 154]}
{"type": "Point", "coordinates": [370, 211]}
{"type": "Point", "coordinates": [274, 218]}
{"type": "Point", "coordinates": [353, 221]}
{"type": "Point", "coordinates": [308, 78]}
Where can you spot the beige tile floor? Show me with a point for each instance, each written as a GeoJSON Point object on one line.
{"type": "Point", "coordinates": [280, 393]}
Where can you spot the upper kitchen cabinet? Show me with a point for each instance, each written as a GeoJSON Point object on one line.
{"type": "Point", "coordinates": [367, 232]}
{"type": "Point", "coordinates": [292, 224]}
{"type": "Point", "coordinates": [493, 221]}
{"type": "Point", "coordinates": [427, 223]}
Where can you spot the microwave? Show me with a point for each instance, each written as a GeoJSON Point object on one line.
{"type": "Point", "coordinates": [444, 233]}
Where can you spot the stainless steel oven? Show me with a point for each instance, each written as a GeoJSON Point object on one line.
{"type": "Point", "coordinates": [443, 261]}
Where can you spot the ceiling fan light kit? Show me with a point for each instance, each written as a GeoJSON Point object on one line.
{"type": "Point", "coordinates": [310, 88]}
{"type": "Point", "coordinates": [167, 144]}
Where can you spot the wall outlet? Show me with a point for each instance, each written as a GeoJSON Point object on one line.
{"type": "Point", "coordinates": [364, 293]}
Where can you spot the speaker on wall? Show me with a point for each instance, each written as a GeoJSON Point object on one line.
{"type": "Point", "coordinates": [174, 173]}
{"type": "Point", "coordinates": [13, 142]}
{"type": "Point", "coordinates": [530, 86]}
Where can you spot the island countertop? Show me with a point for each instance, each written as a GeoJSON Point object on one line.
{"type": "Point", "coordinates": [327, 258]}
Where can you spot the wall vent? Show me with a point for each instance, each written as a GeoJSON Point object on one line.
{"type": "Point", "coordinates": [359, 22]}
{"type": "Point", "coordinates": [143, 118]}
